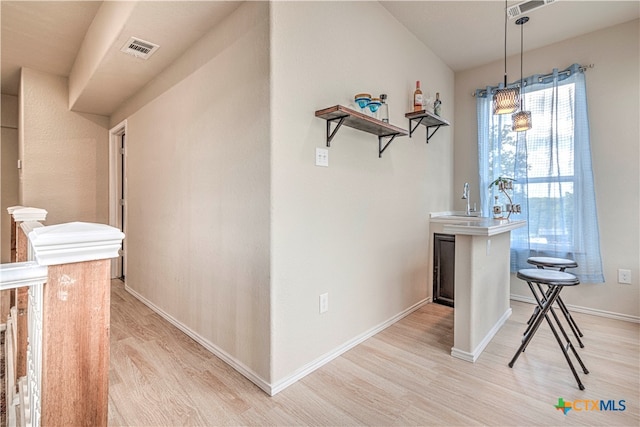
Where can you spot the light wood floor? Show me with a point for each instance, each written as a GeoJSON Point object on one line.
{"type": "Point", "coordinates": [402, 376]}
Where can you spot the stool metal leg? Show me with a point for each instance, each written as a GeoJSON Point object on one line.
{"type": "Point", "coordinates": [567, 316]}
{"type": "Point", "coordinates": [572, 323]}
{"type": "Point", "coordinates": [536, 323]}
{"type": "Point", "coordinates": [569, 344]}
{"type": "Point", "coordinates": [544, 296]}
{"type": "Point", "coordinates": [545, 305]}
{"type": "Point", "coordinates": [566, 355]}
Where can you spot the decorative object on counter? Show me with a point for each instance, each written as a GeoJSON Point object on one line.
{"type": "Point", "coordinates": [521, 119]}
{"type": "Point", "coordinates": [437, 105]}
{"type": "Point", "coordinates": [497, 209]}
{"type": "Point", "coordinates": [417, 97]}
{"type": "Point", "coordinates": [503, 185]}
{"type": "Point", "coordinates": [506, 100]}
{"type": "Point", "coordinates": [384, 108]}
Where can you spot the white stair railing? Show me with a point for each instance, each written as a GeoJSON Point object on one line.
{"type": "Point", "coordinates": [23, 408]}
{"type": "Point", "coordinates": [67, 276]}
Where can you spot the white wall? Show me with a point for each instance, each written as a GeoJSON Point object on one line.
{"type": "Point", "coordinates": [613, 94]}
{"type": "Point", "coordinates": [9, 177]}
{"type": "Point", "coordinates": [198, 191]}
{"type": "Point", "coordinates": [357, 230]}
{"type": "Point", "coordinates": [64, 154]}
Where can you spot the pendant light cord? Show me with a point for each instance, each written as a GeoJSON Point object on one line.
{"type": "Point", "coordinates": [521, 23]}
{"type": "Point", "coordinates": [505, 44]}
{"type": "Point", "coordinates": [521, 78]}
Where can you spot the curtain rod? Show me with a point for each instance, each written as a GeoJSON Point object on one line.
{"type": "Point", "coordinates": [544, 76]}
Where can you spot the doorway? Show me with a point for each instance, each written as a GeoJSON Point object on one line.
{"type": "Point", "coordinates": [118, 193]}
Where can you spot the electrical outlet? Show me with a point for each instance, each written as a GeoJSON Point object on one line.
{"type": "Point", "coordinates": [324, 303]}
{"type": "Point", "coordinates": [624, 276]}
{"type": "Point", "coordinates": [322, 157]}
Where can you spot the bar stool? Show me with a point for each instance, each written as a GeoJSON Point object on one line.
{"type": "Point", "coordinates": [556, 281]}
{"type": "Point", "coordinates": [561, 264]}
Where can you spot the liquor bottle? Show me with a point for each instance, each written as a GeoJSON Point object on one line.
{"type": "Point", "coordinates": [384, 108]}
{"type": "Point", "coordinates": [437, 105]}
{"type": "Point", "coordinates": [417, 97]}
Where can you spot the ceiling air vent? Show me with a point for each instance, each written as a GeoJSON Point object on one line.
{"type": "Point", "coordinates": [527, 6]}
{"type": "Point", "coordinates": [139, 48]}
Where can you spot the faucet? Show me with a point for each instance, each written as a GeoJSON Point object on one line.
{"type": "Point", "coordinates": [465, 196]}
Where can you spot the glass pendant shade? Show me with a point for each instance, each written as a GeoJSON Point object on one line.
{"type": "Point", "coordinates": [521, 121]}
{"type": "Point", "coordinates": [506, 101]}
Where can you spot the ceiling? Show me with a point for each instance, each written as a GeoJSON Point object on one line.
{"type": "Point", "coordinates": [47, 35]}
{"type": "Point", "coordinates": [467, 34]}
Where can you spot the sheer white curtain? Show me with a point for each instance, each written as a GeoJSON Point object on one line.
{"type": "Point", "coordinates": [551, 164]}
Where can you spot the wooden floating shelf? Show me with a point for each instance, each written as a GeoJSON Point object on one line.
{"type": "Point", "coordinates": [354, 119]}
{"type": "Point", "coordinates": [357, 120]}
{"type": "Point", "coordinates": [427, 119]}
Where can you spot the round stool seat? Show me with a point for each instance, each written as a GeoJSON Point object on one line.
{"type": "Point", "coordinates": [548, 277]}
{"type": "Point", "coordinates": [544, 261]}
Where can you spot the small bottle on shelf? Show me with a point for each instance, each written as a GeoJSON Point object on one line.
{"type": "Point", "coordinates": [384, 108]}
{"type": "Point", "coordinates": [417, 98]}
{"type": "Point", "coordinates": [437, 105]}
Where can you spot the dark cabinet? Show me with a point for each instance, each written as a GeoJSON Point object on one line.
{"type": "Point", "coordinates": [444, 255]}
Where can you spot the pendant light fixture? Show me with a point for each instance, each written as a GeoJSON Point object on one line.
{"type": "Point", "coordinates": [506, 100]}
{"type": "Point", "coordinates": [521, 119]}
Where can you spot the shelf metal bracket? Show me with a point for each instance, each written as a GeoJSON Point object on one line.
{"type": "Point", "coordinates": [331, 134]}
{"type": "Point", "coordinates": [418, 123]}
{"type": "Point", "coordinates": [380, 147]}
{"type": "Point", "coordinates": [411, 130]}
{"type": "Point", "coordinates": [434, 131]}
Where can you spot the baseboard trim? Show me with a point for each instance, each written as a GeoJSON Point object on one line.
{"type": "Point", "coordinates": [585, 310]}
{"type": "Point", "coordinates": [217, 351]}
{"type": "Point", "coordinates": [328, 357]}
{"type": "Point", "coordinates": [473, 356]}
{"type": "Point", "coordinates": [273, 389]}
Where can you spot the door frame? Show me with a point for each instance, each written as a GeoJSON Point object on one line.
{"type": "Point", "coordinates": [115, 134]}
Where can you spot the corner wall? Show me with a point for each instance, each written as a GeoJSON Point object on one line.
{"type": "Point", "coordinates": [198, 192]}
{"type": "Point", "coordinates": [357, 230]}
{"type": "Point", "coordinates": [64, 154]}
{"type": "Point", "coordinates": [9, 168]}
{"type": "Point", "coordinates": [613, 95]}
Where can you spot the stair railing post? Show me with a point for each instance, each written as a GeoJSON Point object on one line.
{"type": "Point", "coordinates": [7, 297]}
{"type": "Point", "coordinates": [75, 334]}
{"type": "Point", "coordinates": [23, 218]}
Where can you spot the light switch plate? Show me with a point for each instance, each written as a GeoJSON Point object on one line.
{"type": "Point", "coordinates": [322, 157]}
{"type": "Point", "coordinates": [324, 303]}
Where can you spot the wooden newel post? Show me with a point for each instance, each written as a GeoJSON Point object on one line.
{"type": "Point", "coordinates": [13, 231]}
{"type": "Point", "coordinates": [7, 298]}
{"type": "Point", "coordinates": [75, 331]}
{"type": "Point", "coordinates": [24, 220]}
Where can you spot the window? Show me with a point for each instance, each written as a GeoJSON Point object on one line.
{"type": "Point", "coordinates": [551, 164]}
